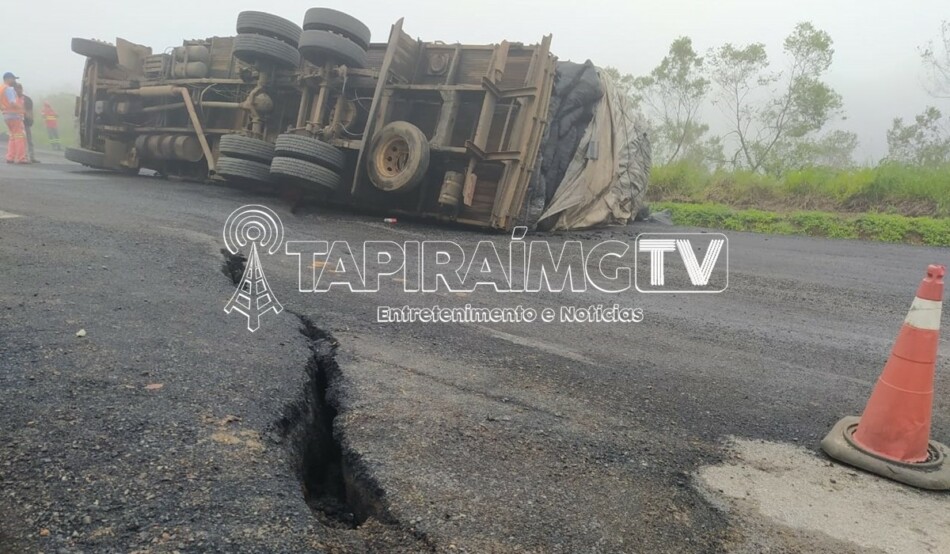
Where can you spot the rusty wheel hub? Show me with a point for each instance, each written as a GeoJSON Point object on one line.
{"type": "Point", "coordinates": [393, 157]}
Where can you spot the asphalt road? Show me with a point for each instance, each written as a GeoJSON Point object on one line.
{"type": "Point", "coordinates": [169, 426]}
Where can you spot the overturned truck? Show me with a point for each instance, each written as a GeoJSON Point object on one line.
{"type": "Point", "coordinates": [491, 136]}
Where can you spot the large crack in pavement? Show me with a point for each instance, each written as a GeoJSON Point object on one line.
{"type": "Point", "coordinates": [336, 482]}
{"type": "Point", "coordinates": [233, 266]}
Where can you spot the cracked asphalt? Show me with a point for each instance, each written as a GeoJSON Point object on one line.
{"type": "Point", "coordinates": [160, 430]}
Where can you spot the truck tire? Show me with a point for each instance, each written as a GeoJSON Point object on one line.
{"type": "Point", "coordinates": [319, 46]}
{"type": "Point", "coordinates": [305, 173]}
{"type": "Point", "coordinates": [260, 23]}
{"type": "Point", "coordinates": [246, 148]}
{"type": "Point", "coordinates": [257, 48]}
{"type": "Point", "coordinates": [325, 19]}
{"type": "Point", "coordinates": [234, 169]}
{"type": "Point", "coordinates": [398, 158]}
{"type": "Point", "coordinates": [88, 158]}
{"type": "Point", "coordinates": [95, 49]}
{"type": "Point", "coordinates": [310, 150]}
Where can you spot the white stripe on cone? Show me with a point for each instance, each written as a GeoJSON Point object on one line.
{"type": "Point", "coordinates": [924, 314]}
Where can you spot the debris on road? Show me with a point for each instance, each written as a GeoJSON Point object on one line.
{"type": "Point", "coordinates": [227, 420]}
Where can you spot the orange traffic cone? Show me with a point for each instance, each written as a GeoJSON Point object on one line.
{"type": "Point", "coordinates": [892, 437]}
{"type": "Point", "coordinates": [896, 421]}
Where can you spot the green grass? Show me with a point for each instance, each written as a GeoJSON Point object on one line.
{"type": "Point", "coordinates": [889, 189]}
{"type": "Point", "coordinates": [871, 226]}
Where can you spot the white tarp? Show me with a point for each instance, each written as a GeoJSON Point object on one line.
{"type": "Point", "coordinates": [607, 178]}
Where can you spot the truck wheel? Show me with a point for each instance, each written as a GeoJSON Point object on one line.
{"type": "Point", "coordinates": [310, 150]}
{"type": "Point", "coordinates": [88, 158]}
{"type": "Point", "coordinates": [304, 173]}
{"type": "Point", "coordinates": [257, 48]}
{"type": "Point", "coordinates": [246, 148]}
{"type": "Point", "coordinates": [399, 157]}
{"type": "Point", "coordinates": [95, 49]}
{"type": "Point", "coordinates": [260, 23]}
{"type": "Point", "coordinates": [325, 19]}
{"type": "Point", "coordinates": [319, 46]}
{"type": "Point", "coordinates": [234, 169]}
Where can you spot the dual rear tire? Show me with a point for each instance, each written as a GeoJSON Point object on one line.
{"type": "Point", "coordinates": [259, 49]}
{"type": "Point", "coordinates": [244, 172]}
{"type": "Point", "coordinates": [245, 160]}
{"type": "Point", "coordinates": [399, 154]}
{"type": "Point", "coordinates": [307, 162]}
{"type": "Point", "coordinates": [327, 36]}
{"type": "Point", "coordinates": [265, 24]}
{"type": "Point", "coordinates": [333, 36]}
{"type": "Point", "coordinates": [264, 38]}
{"type": "Point", "coordinates": [299, 160]}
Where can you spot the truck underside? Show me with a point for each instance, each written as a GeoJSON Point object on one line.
{"type": "Point", "coordinates": [445, 131]}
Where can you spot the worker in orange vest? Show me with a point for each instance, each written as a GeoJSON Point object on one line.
{"type": "Point", "coordinates": [11, 105]}
{"type": "Point", "coordinates": [27, 122]}
{"type": "Point", "coordinates": [52, 126]}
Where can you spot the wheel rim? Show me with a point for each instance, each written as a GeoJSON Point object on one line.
{"type": "Point", "coordinates": [393, 157]}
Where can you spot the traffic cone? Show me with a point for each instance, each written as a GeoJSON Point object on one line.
{"type": "Point", "coordinates": [892, 437]}
{"type": "Point", "coordinates": [896, 421]}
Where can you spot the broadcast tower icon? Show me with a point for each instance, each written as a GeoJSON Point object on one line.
{"type": "Point", "coordinates": [253, 297]}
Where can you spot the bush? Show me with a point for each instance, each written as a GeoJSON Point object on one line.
{"type": "Point", "coordinates": [819, 224]}
{"type": "Point", "coordinates": [678, 181]}
{"type": "Point", "coordinates": [741, 189]}
{"type": "Point", "coordinates": [886, 228]}
{"type": "Point", "coordinates": [752, 220]}
{"type": "Point", "coordinates": [888, 188]}
{"type": "Point", "coordinates": [878, 227]}
{"type": "Point", "coordinates": [933, 232]}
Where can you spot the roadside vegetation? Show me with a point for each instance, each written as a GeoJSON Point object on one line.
{"type": "Point", "coordinates": [782, 164]}
{"type": "Point", "coordinates": [890, 188]}
{"type": "Point", "coordinates": [869, 226]}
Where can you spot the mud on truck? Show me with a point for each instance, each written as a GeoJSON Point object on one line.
{"type": "Point", "coordinates": [491, 136]}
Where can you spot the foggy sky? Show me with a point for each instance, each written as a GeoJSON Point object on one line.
{"type": "Point", "coordinates": [876, 67]}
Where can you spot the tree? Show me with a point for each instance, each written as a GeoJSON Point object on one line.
{"type": "Point", "coordinates": [924, 142]}
{"type": "Point", "coordinates": [673, 94]}
{"type": "Point", "coordinates": [937, 64]}
{"type": "Point", "coordinates": [771, 112]}
{"type": "Point", "coordinates": [834, 149]}
{"type": "Point", "coordinates": [624, 82]}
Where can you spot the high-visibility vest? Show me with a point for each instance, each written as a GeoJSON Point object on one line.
{"type": "Point", "coordinates": [49, 114]}
{"type": "Point", "coordinates": [6, 106]}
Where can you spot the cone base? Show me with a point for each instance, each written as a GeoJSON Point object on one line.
{"type": "Point", "coordinates": [932, 475]}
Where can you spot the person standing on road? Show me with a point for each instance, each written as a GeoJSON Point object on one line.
{"type": "Point", "coordinates": [11, 105]}
{"type": "Point", "coordinates": [27, 123]}
{"type": "Point", "coordinates": [52, 126]}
